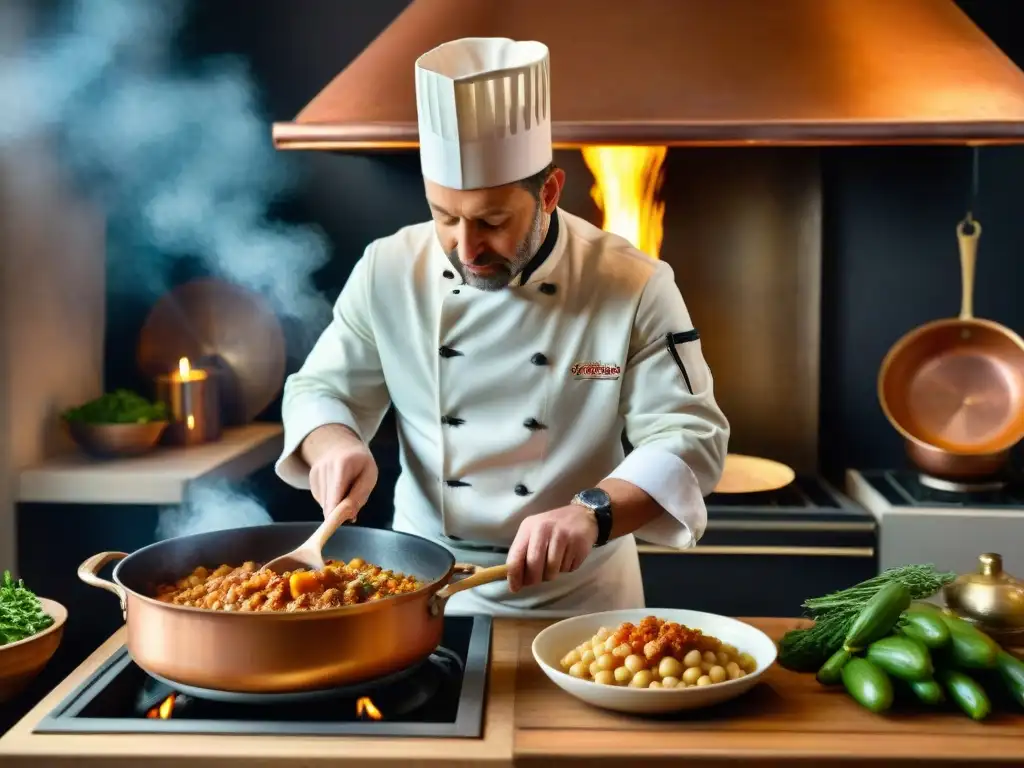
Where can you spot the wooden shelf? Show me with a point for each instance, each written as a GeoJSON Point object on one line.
{"type": "Point", "coordinates": [161, 477]}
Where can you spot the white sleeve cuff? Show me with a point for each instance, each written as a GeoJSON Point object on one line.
{"type": "Point", "coordinates": [668, 480]}
{"type": "Point", "coordinates": [301, 420]}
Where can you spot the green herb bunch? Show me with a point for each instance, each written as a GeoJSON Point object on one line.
{"type": "Point", "coordinates": [21, 613]}
{"type": "Point", "coordinates": [119, 407]}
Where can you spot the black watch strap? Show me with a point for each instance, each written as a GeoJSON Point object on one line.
{"type": "Point", "coordinates": [600, 503]}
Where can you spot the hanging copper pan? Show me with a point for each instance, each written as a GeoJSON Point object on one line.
{"type": "Point", "coordinates": [954, 388]}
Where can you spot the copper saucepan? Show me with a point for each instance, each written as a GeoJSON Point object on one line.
{"type": "Point", "coordinates": [954, 388]}
{"type": "Point", "coordinates": [272, 652]}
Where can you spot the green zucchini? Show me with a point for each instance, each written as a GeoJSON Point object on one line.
{"type": "Point", "coordinates": [969, 648]}
{"type": "Point", "coordinates": [928, 691]}
{"type": "Point", "coordinates": [867, 684]}
{"type": "Point", "coordinates": [925, 626]}
{"type": "Point", "coordinates": [878, 617]}
{"type": "Point", "coordinates": [925, 607]}
{"type": "Point", "coordinates": [901, 657]}
{"type": "Point", "coordinates": [1011, 670]}
{"type": "Point", "coordinates": [966, 692]}
{"type": "Point", "coordinates": [831, 671]}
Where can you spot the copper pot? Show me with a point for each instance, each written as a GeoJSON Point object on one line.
{"type": "Point", "coordinates": [956, 467]}
{"type": "Point", "coordinates": [271, 652]}
{"type": "Point", "coordinates": [956, 386]}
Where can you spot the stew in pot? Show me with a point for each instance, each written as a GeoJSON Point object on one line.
{"type": "Point", "coordinates": [245, 588]}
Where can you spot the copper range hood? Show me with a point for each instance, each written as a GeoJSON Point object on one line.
{"type": "Point", "coordinates": [701, 72]}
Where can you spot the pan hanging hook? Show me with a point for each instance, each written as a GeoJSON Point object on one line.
{"type": "Point", "coordinates": [969, 224]}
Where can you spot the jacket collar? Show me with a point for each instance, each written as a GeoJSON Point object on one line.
{"type": "Point", "coordinates": [542, 262]}
{"type": "Point", "coordinates": [539, 267]}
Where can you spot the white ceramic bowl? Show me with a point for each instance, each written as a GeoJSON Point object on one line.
{"type": "Point", "coordinates": [553, 643]}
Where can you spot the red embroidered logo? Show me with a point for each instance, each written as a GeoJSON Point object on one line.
{"type": "Point", "coordinates": [595, 371]}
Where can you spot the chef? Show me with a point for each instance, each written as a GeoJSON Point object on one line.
{"type": "Point", "coordinates": [517, 343]}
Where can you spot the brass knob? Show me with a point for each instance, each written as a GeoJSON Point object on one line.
{"type": "Point", "coordinates": [991, 564]}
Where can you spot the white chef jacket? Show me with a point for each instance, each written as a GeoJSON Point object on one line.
{"type": "Point", "coordinates": [509, 402]}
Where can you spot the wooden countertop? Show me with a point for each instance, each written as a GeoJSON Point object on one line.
{"type": "Point", "coordinates": [787, 720]}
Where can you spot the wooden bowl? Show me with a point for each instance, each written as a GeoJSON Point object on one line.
{"type": "Point", "coordinates": [109, 441]}
{"type": "Point", "coordinates": [22, 661]}
{"type": "Point", "coordinates": [553, 643]}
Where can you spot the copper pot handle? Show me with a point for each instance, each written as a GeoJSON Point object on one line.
{"type": "Point", "coordinates": [478, 577]}
{"type": "Point", "coordinates": [968, 260]}
{"type": "Point", "coordinates": [87, 572]}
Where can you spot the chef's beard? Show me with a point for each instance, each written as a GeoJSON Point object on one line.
{"type": "Point", "coordinates": [505, 270]}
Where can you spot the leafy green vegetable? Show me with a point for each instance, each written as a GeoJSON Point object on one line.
{"type": "Point", "coordinates": [21, 613]}
{"type": "Point", "coordinates": [119, 407]}
{"type": "Point", "coordinates": [805, 650]}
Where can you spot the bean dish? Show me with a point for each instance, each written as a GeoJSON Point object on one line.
{"type": "Point", "coordinates": [656, 654]}
{"type": "Point", "coordinates": [245, 588]}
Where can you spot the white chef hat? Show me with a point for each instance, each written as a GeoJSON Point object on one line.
{"type": "Point", "coordinates": [484, 107]}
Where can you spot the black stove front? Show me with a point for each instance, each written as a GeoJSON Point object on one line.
{"type": "Point", "coordinates": [442, 697]}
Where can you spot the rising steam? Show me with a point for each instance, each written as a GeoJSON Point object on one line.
{"type": "Point", "coordinates": [211, 506]}
{"type": "Point", "coordinates": [179, 157]}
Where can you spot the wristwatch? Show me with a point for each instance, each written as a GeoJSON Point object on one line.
{"type": "Point", "coordinates": [600, 503]}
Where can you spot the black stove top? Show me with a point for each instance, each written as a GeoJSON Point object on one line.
{"type": "Point", "coordinates": [806, 498]}
{"type": "Point", "coordinates": [904, 488]}
{"type": "Point", "coordinates": [442, 697]}
{"type": "Point", "coordinates": [808, 512]}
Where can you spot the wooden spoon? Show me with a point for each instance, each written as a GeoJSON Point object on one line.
{"type": "Point", "coordinates": [310, 554]}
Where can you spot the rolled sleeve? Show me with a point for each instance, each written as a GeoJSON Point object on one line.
{"type": "Point", "coordinates": [306, 414]}
{"type": "Point", "coordinates": [340, 382]}
{"type": "Point", "coordinates": [680, 435]}
{"type": "Point", "coordinates": [668, 480]}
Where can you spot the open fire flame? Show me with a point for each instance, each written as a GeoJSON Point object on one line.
{"type": "Point", "coordinates": [627, 182]}
{"type": "Point", "coordinates": [367, 710]}
{"type": "Point", "coordinates": [164, 709]}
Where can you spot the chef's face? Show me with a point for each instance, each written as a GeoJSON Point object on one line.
{"type": "Point", "coordinates": [491, 234]}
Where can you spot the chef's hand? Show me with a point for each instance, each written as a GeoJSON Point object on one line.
{"type": "Point", "coordinates": [341, 467]}
{"type": "Point", "coordinates": [550, 543]}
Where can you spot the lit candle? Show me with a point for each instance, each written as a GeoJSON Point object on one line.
{"type": "Point", "coordinates": [192, 405]}
{"type": "Point", "coordinates": [187, 373]}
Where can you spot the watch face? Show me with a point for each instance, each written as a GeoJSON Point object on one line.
{"type": "Point", "coordinates": [594, 497]}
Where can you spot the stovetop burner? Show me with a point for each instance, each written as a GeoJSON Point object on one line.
{"type": "Point", "coordinates": [442, 696]}
{"type": "Point", "coordinates": [965, 486]}
{"type": "Point", "coordinates": [907, 488]}
{"type": "Point", "coordinates": [398, 694]}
